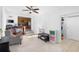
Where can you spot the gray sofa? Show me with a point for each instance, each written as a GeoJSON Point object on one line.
{"type": "Point", "coordinates": [13, 40]}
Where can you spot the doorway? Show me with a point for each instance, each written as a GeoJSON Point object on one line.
{"type": "Point", "coordinates": [24, 22]}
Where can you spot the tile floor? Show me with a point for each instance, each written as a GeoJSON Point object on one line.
{"type": "Point", "coordinates": [33, 44]}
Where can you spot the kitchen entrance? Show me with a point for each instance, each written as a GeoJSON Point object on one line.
{"type": "Point", "coordinates": [24, 23]}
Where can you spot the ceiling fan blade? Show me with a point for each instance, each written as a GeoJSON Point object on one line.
{"type": "Point", "coordinates": [36, 9]}
{"type": "Point", "coordinates": [28, 7]}
{"type": "Point", "coordinates": [30, 12]}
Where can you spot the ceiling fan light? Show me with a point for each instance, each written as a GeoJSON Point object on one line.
{"type": "Point", "coordinates": [30, 12]}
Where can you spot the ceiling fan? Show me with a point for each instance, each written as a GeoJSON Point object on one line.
{"type": "Point", "coordinates": [31, 9]}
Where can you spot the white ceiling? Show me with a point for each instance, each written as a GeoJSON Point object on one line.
{"type": "Point", "coordinates": [15, 9]}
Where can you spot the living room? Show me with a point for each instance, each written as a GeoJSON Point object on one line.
{"type": "Point", "coordinates": [48, 18]}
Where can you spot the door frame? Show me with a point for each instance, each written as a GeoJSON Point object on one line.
{"type": "Point", "coordinates": [27, 18]}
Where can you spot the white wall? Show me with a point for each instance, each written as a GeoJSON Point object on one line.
{"type": "Point", "coordinates": [50, 17]}
{"type": "Point", "coordinates": [0, 19]}
{"type": "Point", "coordinates": [72, 28]}
{"type": "Point", "coordinates": [0, 15]}
{"type": "Point", "coordinates": [15, 12]}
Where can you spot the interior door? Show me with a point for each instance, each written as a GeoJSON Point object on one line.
{"type": "Point", "coordinates": [71, 28]}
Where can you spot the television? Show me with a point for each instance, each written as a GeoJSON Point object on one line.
{"type": "Point", "coordinates": [10, 21]}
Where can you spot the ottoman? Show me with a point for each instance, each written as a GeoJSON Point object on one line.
{"type": "Point", "coordinates": [43, 36]}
